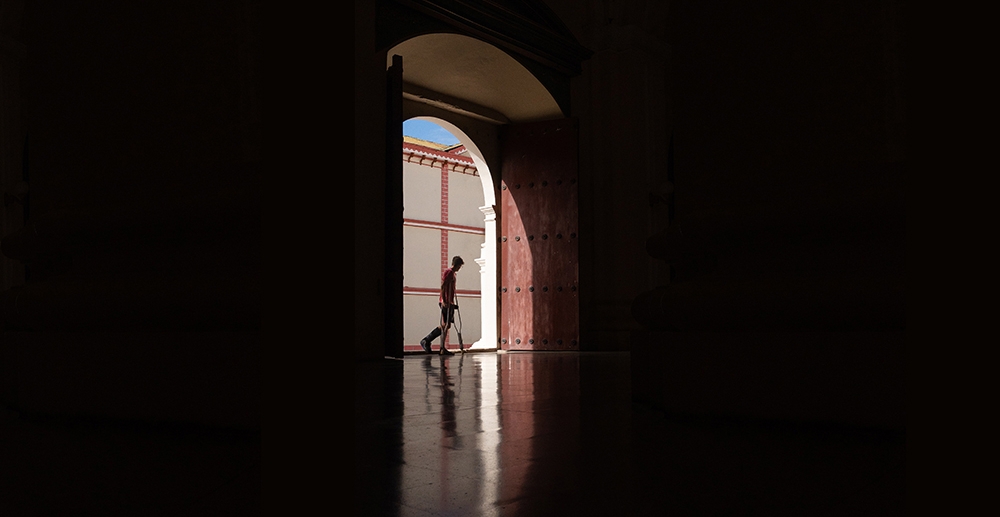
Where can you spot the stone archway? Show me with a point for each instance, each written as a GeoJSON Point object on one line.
{"type": "Point", "coordinates": [472, 89]}
{"type": "Point", "coordinates": [482, 84]}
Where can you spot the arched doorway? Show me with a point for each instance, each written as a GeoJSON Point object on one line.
{"type": "Point", "coordinates": [441, 219]}
{"type": "Point", "coordinates": [484, 89]}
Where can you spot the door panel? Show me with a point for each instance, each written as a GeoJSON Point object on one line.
{"type": "Point", "coordinates": [393, 280]}
{"type": "Point", "coordinates": [539, 237]}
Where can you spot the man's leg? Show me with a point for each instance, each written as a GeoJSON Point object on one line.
{"type": "Point", "coordinates": [444, 337]}
{"type": "Point", "coordinates": [425, 343]}
{"type": "Point", "coordinates": [444, 331]}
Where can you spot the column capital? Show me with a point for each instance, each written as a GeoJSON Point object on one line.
{"type": "Point", "coordinates": [490, 211]}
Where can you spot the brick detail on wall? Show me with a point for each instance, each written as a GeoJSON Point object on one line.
{"type": "Point", "coordinates": [444, 216]}
{"type": "Point", "coordinates": [444, 233]}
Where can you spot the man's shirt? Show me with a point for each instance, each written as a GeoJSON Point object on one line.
{"type": "Point", "coordinates": [448, 280]}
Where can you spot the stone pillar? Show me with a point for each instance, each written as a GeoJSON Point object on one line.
{"type": "Point", "coordinates": [488, 280]}
{"type": "Point", "coordinates": [623, 146]}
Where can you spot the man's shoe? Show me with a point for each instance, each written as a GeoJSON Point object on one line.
{"type": "Point", "coordinates": [425, 345]}
{"type": "Point", "coordinates": [445, 351]}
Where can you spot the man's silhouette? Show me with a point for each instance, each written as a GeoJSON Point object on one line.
{"type": "Point", "coordinates": [448, 303]}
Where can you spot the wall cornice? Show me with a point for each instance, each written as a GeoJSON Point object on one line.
{"type": "Point", "coordinates": [413, 153]}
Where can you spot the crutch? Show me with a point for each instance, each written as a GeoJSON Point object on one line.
{"type": "Point", "coordinates": [458, 330]}
{"type": "Point", "coordinates": [448, 317]}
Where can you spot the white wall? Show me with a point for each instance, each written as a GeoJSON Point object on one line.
{"type": "Point", "coordinates": [421, 192]}
{"type": "Point", "coordinates": [421, 257]}
{"type": "Point", "coordinates": [467, 246]}
{"type": "Point", "coordinates": [420, 316]}
{"type": "Point", "coordinates": [465, 196]}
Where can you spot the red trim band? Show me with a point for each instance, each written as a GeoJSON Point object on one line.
{"type": "Point", "coordinates": [431, 291]}
{"type": "Point", "coordinates": [443, 226]}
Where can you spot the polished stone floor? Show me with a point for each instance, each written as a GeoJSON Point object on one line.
{"type": "Point", "coordinates": [526, 434]}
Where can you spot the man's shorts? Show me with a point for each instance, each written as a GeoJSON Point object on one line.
{"type": "Point", "coordinates": [447, 314]}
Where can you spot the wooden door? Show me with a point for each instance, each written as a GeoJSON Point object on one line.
{"type": "Point", "coordinates": [393, 281]}
{"type": "Point", "coordinates": [539, 248]}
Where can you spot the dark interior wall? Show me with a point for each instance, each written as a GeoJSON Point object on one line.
{"type": "Point", "coordinates": [622, 102]}
{"type": "Point", "coordinates": [13, 172]}
{"type": "Point", "coordinates": [145, 131]}
{"type": "Point", "coordinates": [158, 91]}
{"type": "Point", "coordinates": [622, 99]}
{"type": "Point", "coordinates": [786, 247]}
{"type": "Point", "coordinates": [144, 224]}
{"type": "Point", "coordinates": [787, 251]}
{"type": "Point", "coordinates": [788, 159]}
{"type": "Point", "coordinates": [776, 92]}
{"type": "Point", "coordinates": [136, 326]}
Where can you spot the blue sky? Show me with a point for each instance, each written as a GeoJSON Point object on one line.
{"type": "Point", "coordinates": [428, 131]}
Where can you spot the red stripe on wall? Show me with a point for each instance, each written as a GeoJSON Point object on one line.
{"type": "Point", "coordinates": [444, 216]}
{"type": "Point", "coordinates": [430, 291]}
{"type": "Point", "coordinates": [444, 233]}
{"type": "Point", "coordinates": [417, 223]}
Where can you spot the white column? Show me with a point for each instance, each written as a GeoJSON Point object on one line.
{"type": "Point", "coordinates": [488, 282]}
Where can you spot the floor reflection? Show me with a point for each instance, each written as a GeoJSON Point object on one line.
{"type": "Point", "coordinates": [525, 434]}
{"type": "Point", "coordinates": [491, 434]}
{"type": "Point", "coordinates": [452, 433]}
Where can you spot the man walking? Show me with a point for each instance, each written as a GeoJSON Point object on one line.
{"type": "Point", "coordinates": [448, 303]}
